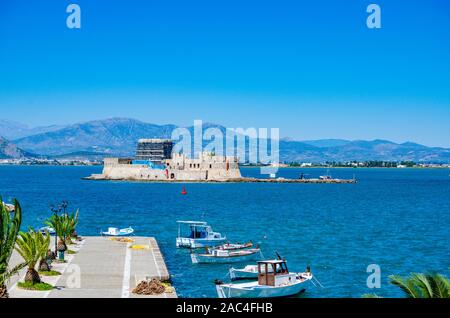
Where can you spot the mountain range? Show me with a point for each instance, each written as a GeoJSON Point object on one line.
{"type": "Point", "coordinates": [13, 130]}
{"type": "Point", "coordinates": [118, 137]}
{"type": "Point", "coordinates": [9, 150]}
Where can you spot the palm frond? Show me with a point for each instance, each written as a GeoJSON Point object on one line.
{"type": "Point", "coordinates": [32, 246]}
{"type": "Point", "coordinates": [11, 272]}
{"type": "Point", "coordinates": [422, 283]}
{"type": "Point", "coordinates": [428, 285]}
{"type": "Point", "coordinates": [9, 228]}
{"type": "Point", "coordinates": [371, 296]}
{"type": "Point", "coordinates": [405, 285]}
{"type": "Point", "coordinates": [440, 285]}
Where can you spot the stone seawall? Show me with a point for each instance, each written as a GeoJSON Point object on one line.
{"type": "Point", "coordinates": [179, 168]}
{"type": "Point", "coordinates": [229, 180]}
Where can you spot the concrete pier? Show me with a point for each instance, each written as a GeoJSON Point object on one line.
{"type": "Point", "coordinates": [101, 268]}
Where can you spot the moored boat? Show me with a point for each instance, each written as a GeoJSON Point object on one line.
{"type": "Point", "coordinates": [47, 229]}
{"type": "Point", "coordinates": [223, 256]}
{"type": "Point", "coordinates": [114, 231]}
{"type": "Point", "coordinates": [274, 280]}
{"type": "Point", "coordinates": [200, 235]}
{"type": "Point", "coordinates": [249, 271]}
{"type": "Point", "coordinates": [233, 246]}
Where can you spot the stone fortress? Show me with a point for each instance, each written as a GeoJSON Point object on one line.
{"type": "Point", "coordinates": [155, 161]}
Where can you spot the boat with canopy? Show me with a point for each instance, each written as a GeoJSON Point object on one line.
{"type": "Point", "coordinates": [274, 280]}
{"type": "Point", "coordinates": [200, 235]}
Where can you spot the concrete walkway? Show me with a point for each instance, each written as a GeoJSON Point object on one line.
{"type": "Point", "coordinates": [102, 268]}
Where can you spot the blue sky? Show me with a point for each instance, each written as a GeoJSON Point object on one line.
{"type": "Point", "coordinates": [311, 68]}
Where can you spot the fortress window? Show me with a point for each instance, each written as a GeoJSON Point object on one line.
{"type": "Point", "coordinates": [210, 166]}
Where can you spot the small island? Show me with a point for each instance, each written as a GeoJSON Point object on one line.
{"type": "Point", "coordinates": [155, 162]}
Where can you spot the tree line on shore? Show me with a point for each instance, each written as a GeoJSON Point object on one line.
{"type": "Point", "coordinates": [350, 164]}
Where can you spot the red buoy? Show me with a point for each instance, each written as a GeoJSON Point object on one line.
{"type": "Point", "coordinates": [184, 191]}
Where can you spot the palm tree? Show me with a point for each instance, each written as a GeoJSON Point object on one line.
{"type": "Point", "coordinates": [417, 285]}
{"type": "Point", "coordinates": [44, 263]}
{"type": "Point", "coordinates": [32, 246]}
{"type": "Point", "coordinates": [56, 222]}
{"type": "Point", "coordinates": [70, 224]}
{"type": "Point", "coordinates": [74, 223]}
{"type": "Point", "coordinates": [9, 227]}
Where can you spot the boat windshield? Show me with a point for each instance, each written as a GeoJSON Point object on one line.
{"type": "Point", "coordinates": [199, 231]}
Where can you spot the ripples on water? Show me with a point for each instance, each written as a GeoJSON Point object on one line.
{"type": "Point", "coordinates": [397, 218]}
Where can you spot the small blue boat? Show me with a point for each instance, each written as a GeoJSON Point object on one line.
{"type": "Point", "coordinates": [114, 231]}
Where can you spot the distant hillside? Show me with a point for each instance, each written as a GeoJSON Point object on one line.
{"type": "Point", "coordinates": [361, 150]}
{"type": "Point", "coordinates": [323, 143]}
{"type": "Point", "coordinates": [12, 130]}
{"type": "Point", "coordinates": [9, 150]}
{"type": "Point", "coordinates": [118, 137]}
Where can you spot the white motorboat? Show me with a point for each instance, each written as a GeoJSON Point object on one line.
{"type": "Point", "coordinates": [114, 231]}
{"type": "Point", "coordinates": [47, 229]}
{"type": "Point", "coordinates": [274, 280]}
{"type": "Point", "coordinates": [200, 235]}
{"type": "Point", "coordinates": [234, 246]}
{"type": "Point", "coordinates": [223, 256]}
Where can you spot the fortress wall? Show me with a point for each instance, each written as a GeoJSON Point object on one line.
{"type": "Point", "coordinates": [220, 174]}
{"type": "Point", "coordinates": [205, 168]}
{"type": "Point", "coordinates": [204, 175]}
{"type": "Point", "coordinates": [188, 175]}
{"type": "Point", "coordinates": [134, 172]}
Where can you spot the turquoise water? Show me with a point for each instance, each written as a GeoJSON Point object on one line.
{"type": "Point", "coordinates": [396, 218]}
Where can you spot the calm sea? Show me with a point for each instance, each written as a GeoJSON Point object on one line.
{"type": "Point", "coordinates": [396, 218]}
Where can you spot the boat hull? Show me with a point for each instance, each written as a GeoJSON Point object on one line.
{"type": "Point", "coordinates": [205, 259]}
{"type": "Point", "coordinates": [230, 291]}
{"type": "Point", "coordinates": [234, 247]}
{"type": "Point", "coordinates": [238, 274]}
{"type": "Point", "coordinates": [185, 242]}
{"type": "Point", "coordinates": [122, 232]}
